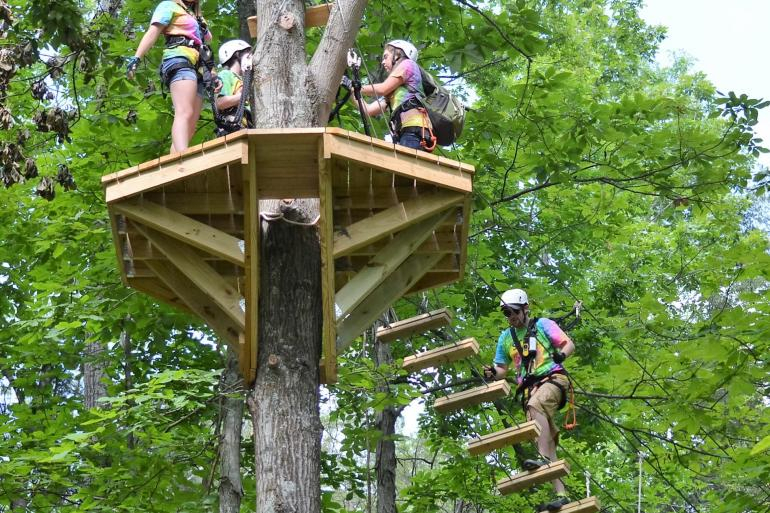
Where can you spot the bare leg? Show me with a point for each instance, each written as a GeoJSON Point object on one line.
{"type": "Point", "coordinates": [187, 109]}
{"type": "Point", "coordinates": [546, 443]}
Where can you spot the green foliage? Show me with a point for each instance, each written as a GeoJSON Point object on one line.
{"type": "Point", "coordinates": [600, 176]}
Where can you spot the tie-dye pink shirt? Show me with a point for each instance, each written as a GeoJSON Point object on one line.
{"type": "Point", "coordinates": [409, 71]}
{"type": "Point", "coordinates": [178, 22]}
{"type": "Point", "coordinates": [549, 336]}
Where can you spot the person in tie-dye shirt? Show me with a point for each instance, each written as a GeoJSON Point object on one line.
{"type": "Point", "coordinates": [179, 22]}
{"type": "Point", "coordinates": [404, 83]}
{"type": "Point", "coordinates": [536, 350]}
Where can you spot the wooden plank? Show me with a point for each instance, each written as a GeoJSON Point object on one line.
{"type": "Point", "coordinates": [326, 232]}
{"type": "Point", "coordinates": [247, 356]}
{"type": "Point", "coordinates": [407, 165]}
{"type": "Point", "coordinates": [485, 393]}
{"type": "Point", "coordinates": [394, 219]}
{"type": "Point", "coordinates": [524, 480]}
{"type": "Point", "coordinates": [315, 16]}
{"type": "Point", "coordinates": [380, 299]}
{"type": "Point", "coordinates": [199, 202]}
{"type": "Point", "coordinates": [183, 228]}
{"type": "Point", "coordinates": [156, 289]}
{"type": "Point", "coordinates": [160, 175]}
{"type": "Point", "coordinates": [200, 273]}
{"type": "Point", "coordinates": [197, 301]}
{"type": "Point", "coordinates": [347, 135]}
{"type": "Point", "coordinates": [509, 436]}
{"type": "Point", "coordinates": [587, 505]}
{"type": "Point", "coordinates": [379, 268]}
{"type": "Point", "coordinates": [418, 324]}
{"type": "Point", "coordinates": [446, 354]}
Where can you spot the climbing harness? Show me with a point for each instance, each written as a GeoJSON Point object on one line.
{"type": "Point", "coordinates": [354, 63]}
{"type": "Point", "coordinates": [427, 138]}
{"type": "Point", "coordinates": [528, 353]}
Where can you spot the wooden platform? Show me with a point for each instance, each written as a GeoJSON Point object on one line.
{"type": "Point", "coordinates": [394, 221]}
{"type": "Point", "coordinates": [538, 476]}
{"type": "Point", "coordinates": [446, 354]}
{"type": "Point", "coordinates": [509, 436]}
{"type": "Point", "coordinates": [485, 393]}
{"type": "Point", "coordinates": [414, 325]}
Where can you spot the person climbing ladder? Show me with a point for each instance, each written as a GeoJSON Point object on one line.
{"type": "Point", "coordinates": [536, 348]}
{"type": "Point", "coordinates": [186, 34]}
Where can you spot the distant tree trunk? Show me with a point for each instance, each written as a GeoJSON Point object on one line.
{"type": "Point", "coordinates": [245, 9]}
{"type": "Point", "coordinates": [230, 485]}
{"type": "Point", "coordinates": [386, 446]}
{"type": "Point", "coordinates": [289, 92]}
{"type": "Point", "coordinates": [94, 387]}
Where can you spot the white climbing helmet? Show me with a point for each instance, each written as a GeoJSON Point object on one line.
{"type": "Point", "coordinates": [514, 297]}
{"type": "Point", "coordinates": [405, 46]}
{"type": "Point", "coordinates": [230, 48]}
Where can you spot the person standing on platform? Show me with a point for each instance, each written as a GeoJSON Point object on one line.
{"type": "Point", "coordinates": [186, 35]}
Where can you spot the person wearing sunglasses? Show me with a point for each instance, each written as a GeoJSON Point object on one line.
{"type": "Point", "coordinates": [536, 348]}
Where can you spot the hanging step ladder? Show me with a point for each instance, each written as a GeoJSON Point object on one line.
{"type": "Point", "coordinates": [489, 392]}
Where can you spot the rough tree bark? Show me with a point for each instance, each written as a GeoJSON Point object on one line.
{"type": "Point", "coordinates": [284, 402]}
{"type": "Point", "coordinates": [230, 485]}
{"type": "Point", "coordinates": [386, 446]}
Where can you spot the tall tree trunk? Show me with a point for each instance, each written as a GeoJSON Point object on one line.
{"type": "Point", "coordinates": [386, 446]}
{"type": "Point", "coordinates": [284, 404]}
{"type": "Point", "coordinates": [230, 485]}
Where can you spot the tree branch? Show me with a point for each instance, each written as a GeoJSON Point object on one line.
{"type": "Point", "coordinates": [328, 62]}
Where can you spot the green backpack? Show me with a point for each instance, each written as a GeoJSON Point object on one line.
{"type": "Point", "coordinates": [446, 111]}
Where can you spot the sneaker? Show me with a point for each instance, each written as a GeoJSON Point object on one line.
{"type": "Point", "coordinates": [530, 464]}
{"type": "Point", "coordinates": [554, 505]}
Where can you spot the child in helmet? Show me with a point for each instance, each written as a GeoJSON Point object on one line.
{"type": "Point", "coordinates": [410, 124]}
{"type": "Point", "coordinates": [231, 57]}
{"type": "Point", "coordinates": [185, 33]}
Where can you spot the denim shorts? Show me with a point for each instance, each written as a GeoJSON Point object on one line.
{"type": "Point", "coordinates": [181, 74]}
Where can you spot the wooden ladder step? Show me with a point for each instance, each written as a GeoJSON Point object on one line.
{"type": "Point", "coordinates": [412, 325]}
{"type": "Point", "coordinates": [446, 354]}
{"type": "Point", "coordinates": [524, 480]}
{"type": "Point", "coordinates": [587, 505]}
{"type": "Point", "coordinates": [509, 436]}
{"type": "Point", "coordinates": [485, 393]}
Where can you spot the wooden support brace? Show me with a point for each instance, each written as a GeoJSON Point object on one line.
{"type": "Point", "coordinates": [384, 263]}
{"type": "Point", "coordinates": [198, 302]}
{"type": "Point", "coordinates": [587, 505]}
{"type": "Point", "coordinates": [524, 480]}
{"type": "Point", "coordinates": [199, 272]}
{"type": "Point", "coordinates": [446, 354]}
{"type": "Point", "coordinates": [252, 233]}
{"type": "Point", "coordinates": [485, 393]}
{"type": "Point", "coordinates": [380, 299]}
{"type": "Point", "coordinates": [413, 325]}
{"type": "Point", "coordinates": [392, 220]}
{"type": "Point", "coordinates": [190, 231]}
{"type": "Point", "coordinates": [326, 231]}
{"type": "Point", "coordinates": [509, 436]}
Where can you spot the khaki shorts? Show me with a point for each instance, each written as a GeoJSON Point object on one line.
{"type": "Point", "coordinates": [546, 399]}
